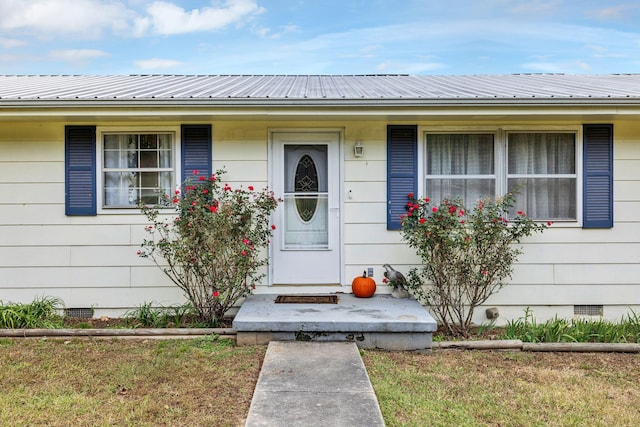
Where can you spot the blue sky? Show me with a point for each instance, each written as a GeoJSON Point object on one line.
{"type": "Point", "coordinates": [319, 36]}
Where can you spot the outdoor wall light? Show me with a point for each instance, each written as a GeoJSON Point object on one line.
{"type": "Point", "coordinates": [358, 149]}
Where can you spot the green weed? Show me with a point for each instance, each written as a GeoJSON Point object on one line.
{"type": "Point", "coordinates": [42, 312]}
{"type": "Point", "coordinates": [525, 328]}
{"type": "Point", "coordinates": [148, 315]}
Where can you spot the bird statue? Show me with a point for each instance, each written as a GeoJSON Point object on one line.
{"type": "Point", "coordinates": [398, 281]}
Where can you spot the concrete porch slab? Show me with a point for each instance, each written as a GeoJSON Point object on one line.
{"type": "Point", "coordinates": [377, 322]}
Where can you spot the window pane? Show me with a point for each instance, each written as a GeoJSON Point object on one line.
{"type": "Point", "coordinates": [120, 188]}
{"type": "Point", "coordinates": [112, 142]}
{"type": "Point", "coordinates": [305, 232]}
{"type": "Point", "coordinates": [148, 159]}
{"type": "Point", "coordinates": [149, 179]}
{"type": "Point", "coordinates": [545, 198]}
{"type": "Point", "coordinates": [165, 158]}
{"type": "Point", "coordinates": [165, 182]}
{"type": "Point", "coordinates": [111, 159]}
{"type": "Point", "coordinates": [148, 142]}
{"type": "Point", "coordinates": [469, 190]}
{"type": "Point", "coordinates": [164, 142]}
{"type": "Point", "coordinates": [149, 197]}
{"type": "Point", "coordinates": [460, 154]}
{"type": "Point", "coordinates": [542, 153]}
{"type": "Point", "coordinates": [302, 160]}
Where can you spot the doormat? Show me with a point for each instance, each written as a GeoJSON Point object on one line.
{"type": "Point", "coordinates": [307, 299]}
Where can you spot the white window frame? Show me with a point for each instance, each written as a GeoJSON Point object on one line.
{"type": "Point", "coordinates": [108, 130]}
{"type": "Point", "coordinates": [500, 152]}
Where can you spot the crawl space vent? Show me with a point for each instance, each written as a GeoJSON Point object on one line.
{"type": "Point", "coordinates": [81, 313]}
{"type": "Point", "coordinates": [588, 310]}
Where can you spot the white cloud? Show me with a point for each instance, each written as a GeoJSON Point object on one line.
{"type": "Point", "coordinates": [53, 17]}
{"type": "Point", "coordinates": [95, 18]}
{"type": "Point", "coordinates": [11, 43]}
{"type": "Point", "coordinates": [265, 32]}
{"type": "Point", "coordinates": [157, 64]}
{"type": "Point", "coordinates": [168, 18]}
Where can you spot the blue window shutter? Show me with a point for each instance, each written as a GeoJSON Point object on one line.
{"type": "Point", "coordinates": [196, 150]}
{"type": "Point", "coordinates": [80, 170]}
{"type": "Point", "coordinates": [598, 176]}
{"type": "Point", "coordinates": [402, 171]}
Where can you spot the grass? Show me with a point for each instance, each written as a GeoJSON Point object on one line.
{"type": "Point", "coordinates": [506, 389]}
{"type": "Point", "coordinates": [149, 316]}
{"type": "Point", "coordinates": [627, 330]}
{"type": "Point", "coordinates": [40, 313]}
{"type": "Point", "coordinates": [204, 382]}
{"type": "Point", "coordinates": [198, 382]}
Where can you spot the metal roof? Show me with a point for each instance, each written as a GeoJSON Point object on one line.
{"type": "Point", "coordinates": [326, 89]}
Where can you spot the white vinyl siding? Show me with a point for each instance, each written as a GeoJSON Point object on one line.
{"type": "Point", "coordinates": [92, 261]}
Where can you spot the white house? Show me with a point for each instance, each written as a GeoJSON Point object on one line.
{"type": "Point", "coordinates": [77, 152]}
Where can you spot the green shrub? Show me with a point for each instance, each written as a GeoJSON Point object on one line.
{"type": "Point", "coordinates": [466, 255]}
{"type": "Point", "coordinates": [214, 246]}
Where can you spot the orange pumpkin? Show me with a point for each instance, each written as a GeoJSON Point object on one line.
{"type": "Point", "coordinates": [363, 286]}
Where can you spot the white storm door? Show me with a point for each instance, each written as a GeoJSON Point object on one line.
{"type": "Point", "coordinates": [306, 176]}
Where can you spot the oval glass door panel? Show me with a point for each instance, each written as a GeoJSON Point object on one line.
{"type": "Point", "coordinates": [305, 196]}
{"type": "Point", "coordinates": [306, 181]}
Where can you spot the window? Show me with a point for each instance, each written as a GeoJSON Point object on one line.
{"type": "Point", "coordinates": [551, 166]}
{"type": "Point", "coordinates": [539, 166]}
{"type": "Point", "coordinates": [137, 167]}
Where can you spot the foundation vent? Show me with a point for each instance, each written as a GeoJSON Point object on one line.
{"type": "Point", "coordinates": [588, 310]}
{"type": "Point", "coordinates": [81, 313]}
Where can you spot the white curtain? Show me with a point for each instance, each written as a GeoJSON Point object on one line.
{"type": "Point", "coordinates": [460, 166]}
{"type": "Point", "coordinates": [541, 168]}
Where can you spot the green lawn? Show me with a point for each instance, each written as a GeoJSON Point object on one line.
{"type": "Point", "coordinates": [203, 382]}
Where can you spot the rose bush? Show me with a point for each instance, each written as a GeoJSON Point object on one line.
{"type": "Point", "coordinates": [466, 256]}
{"type": "Point", "coordinates": [214, 246]}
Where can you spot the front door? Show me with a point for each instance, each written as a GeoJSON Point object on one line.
{"type": "Point", "coordinates": [306, 176]}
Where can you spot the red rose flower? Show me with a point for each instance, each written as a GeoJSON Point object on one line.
{"type": "Point", "coordinates": [215, 294]}
{"type": "Point", "coordinates": [250, 188]}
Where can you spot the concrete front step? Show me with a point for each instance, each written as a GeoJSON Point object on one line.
{"type": "Point", "coordinates": [378, 322]}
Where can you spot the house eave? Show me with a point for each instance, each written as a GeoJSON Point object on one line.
{"type": "Point", "coordinates": [148, 110]}
{"type": "Point", "coordinates": [315, 102]}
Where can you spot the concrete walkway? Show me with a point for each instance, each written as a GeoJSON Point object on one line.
{"type": "Point", "coordinates": [313, 384]}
